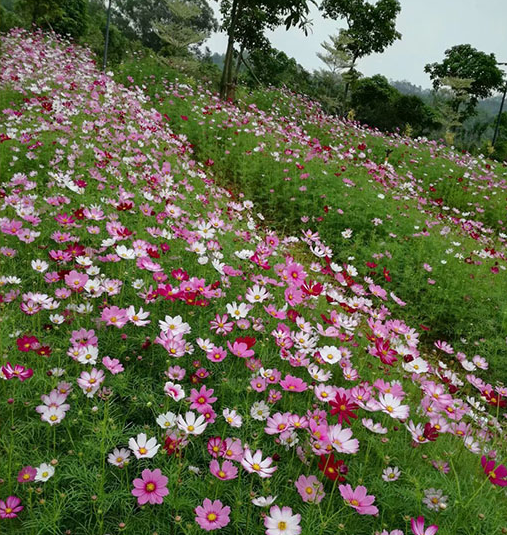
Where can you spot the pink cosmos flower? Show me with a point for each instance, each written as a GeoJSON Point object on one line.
{"type": "Point", "coordinates": [216, 447]}
{"type": "Point", "coordinates": [90, 381]}
{"type": "Point", "coordinates": [10, 507]}
{"type": "Point", "coordinates": [444, 346]}
{"type": "Point", "coordinates": [150, 487]}
{"type": "Point", "coordinates": [310, 489]}
{"type": "Point", "coordinates": [293, 384]}
{"type": "Point", "coordinates": [212, 515]}
{"type": "Point", "coordinates": [76, 281]}
{"type": "Point", "coordinates": [216, 354]}
{"type": "Point", "coordinates": [418, 527]}
{"type": "Point", "coordinates": [341, 439]}
{"type": "Point", "coordinates": [233, 449]}
{"type": "Point", "coordinates": [240, 349]}
{"type": "Point", "coordinates": [220, 324]}
{"type": "Point", "coordinates": [113, 365]}
{"type": "Point", "coordinates": [294, 274]}
{"type": "Point", "coordinates": [201, 397]}
{"type": "Point", "coordinates": [358, 499]}
{"type": "Point", "coordinates": [224, 472]}
{"type": "Point", "coordinates": [114, 316]}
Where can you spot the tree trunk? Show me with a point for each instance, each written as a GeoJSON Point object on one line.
{"type": "Point", "coordinates": [225, 82]}
{"type": "Point", "coordinates": [238, 63]}
{"type": "Point", "coordinates": [347, 86]}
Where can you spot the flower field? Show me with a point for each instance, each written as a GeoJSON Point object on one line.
{"type": "Point", "coordinates": [248, 318]}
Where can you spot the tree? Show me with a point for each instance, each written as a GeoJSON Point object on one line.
{"type": "Point", "coordinates": [274, 68]}
{"type": "Point", "coordinates": [376, 102]}
{"type": "Point", "coordinates": [96, 31]}
{"type": "Point", "coordinates": [140, 19]}
{"type": "Point", "coordinates": [180, 31]}
{"type": "Point", "coordinates": [370, 27]}
{"type": "Point", "coordinates": [338, 58]}
{"type": "Point", "coordinates": [337, 55]}
{"type": "Point", "coordinates": [470, 75]}
{"type": "Point", "coordinates": [245, 21]}
{"type": "Point", "coordinates": [67, 17]}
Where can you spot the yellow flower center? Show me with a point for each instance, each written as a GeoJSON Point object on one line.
{"type": "Point", "coordinates": [309, 490]}
{"type": "Point", "coordinates": [142, 451]}
{"type": "Point", "coordinates": [211, 517]}
{"type": "Point", "coordinates": [191, 428]}
{"type": "Point", "coordinates": [256, 466]}
{"type": "Point", "coordinates": [282, 526]}
{"type": "Point", "coordinates": [150, 487]}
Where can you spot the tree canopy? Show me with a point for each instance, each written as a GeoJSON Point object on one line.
{"type": "Point", "coordinates": [469, 73]}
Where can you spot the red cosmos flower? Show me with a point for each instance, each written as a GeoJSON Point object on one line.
{"type": "Point", "coordinates": [172, 446]}
{"type": "Point", "coordinates": [27, 343]}
{"type": "Point", "coordinates": [343, 407]}
{"type": "Point", "coordinates": [387, 277]}
{"type": "Point", "coordinates": [498, 475]}
{"type": "Point", "coordinates": [44, 351]}
{"type": "Point", "coordinates": [311, 287]}
{"type": "Point", "coordinates": [333, 470]}
{"type": "Point", "coordinates": [430, 432]}
{"type": "Point", "coordinates": [493, 398]}
{"type": "Point", "coordinates": [384, 352]}
{"type": "Point", "coordinates": [79, 213]}
{"type": "Point", "coordinates": [153, 253]}
{"type": "Point", "coordinates": [124, 206]}
{"type": "Point", "coordinates": [293, 315]}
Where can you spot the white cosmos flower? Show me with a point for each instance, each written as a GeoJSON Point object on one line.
{"type": "Point", "coordinates": [167, 420]}
{"type": "Point", "coordinates": [262, 501]}
{"type": "Point", "coordinates": [44, 472]}
{"type": "Point", "coordinates": [259, 411]}
{"type": "Point", "coordinates": [191, 424]}
{"type": "Point", "coordinates": [39, 265]}
{"type": "Point", "coordinates": [119, 457]}
{"type": "Point", "coordinates": [143, 448]}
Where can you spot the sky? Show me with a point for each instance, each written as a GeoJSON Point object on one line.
{"type": "Point", "coordinates": [428, 28]}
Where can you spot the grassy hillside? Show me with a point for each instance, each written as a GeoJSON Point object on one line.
{"type": "Point", "coordinates": [426, 222]}
{"type": "Point", "coordinates": [185, 316]}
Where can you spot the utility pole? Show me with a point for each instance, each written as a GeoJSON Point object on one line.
{"type": "Point", "coordinates": [497, 125]}
{"type": "Point", "coordinates": [106, 44]}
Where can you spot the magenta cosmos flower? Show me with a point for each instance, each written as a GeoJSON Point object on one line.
{"type": "Point", "coordinates": [498, 475]}
{"type": "Point", "coordinates": [212, 515]}
{"type": "Point", "coordinates": [10, 508]}
{"type": "Point", "coordinates": [417, 526]}
{"type": "Point", "coordinates": [358, 499]}
{"type": "Point", "coordinates": [150, 487]}
{"type": "Point", "coordinates": [27, 474]}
